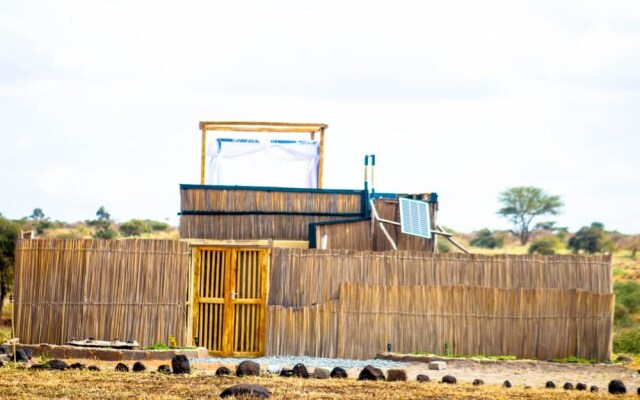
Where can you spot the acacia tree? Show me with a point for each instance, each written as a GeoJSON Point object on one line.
{"type": "Point", "coordinates": [523, 203]}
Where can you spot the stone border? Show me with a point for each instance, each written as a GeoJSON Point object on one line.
{"type": "Point", "coordinates": [106, 354]}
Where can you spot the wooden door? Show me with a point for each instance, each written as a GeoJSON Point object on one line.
{"type": "Point", "coordinates": [230, 297]}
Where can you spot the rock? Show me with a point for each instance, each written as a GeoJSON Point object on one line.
{"type": "Point", "coordinates": [300, 370]}
{"type": "Point", "coordinates": [617, 387]}
{"type": "Point", "coordinates": [164, 369]}
{"type": "Point", "coordinates": [437, 365]}
{"type": "Point", "coordinates": [478, 382]}
{"type": "Point", "coordinates": [527, 387]}
{"type": "Point", "coordinates": [581, 386]}
{"type": "Point", "coordinates": [286, 372]}
{"type": "Point", "coordinates": [450, 379]}
{"type": "Point", "coordinates": [139, 367]}
{"type": "Point", "coordinates": [394, 375]}
{"type": "Point", "coordinates": [506, 384]}
{"type": "Point", "coordinates": [568, 386]}
{"type": "Point", "coordinates": [223, 371]}
{"type": "Point", "coordinates": [248, 368]}
{"type": "Point", "coordinates": [623, 359]}
{"type": "Point", "coordinates": [638, 391]}
{"type": "Point", "coordinates": [180, 364]}
{"type": "Point", "coordinates": [57, 365]}
{"type": "Point", "coordinates": [338, 372]}
{"type": "Point", "coordinates": [122, 368]}
{"type": "Point", "coordinates": [593, 389]}
{"type": "Point", "coordinates": [39, 366]}
{"type": "Point", "coordinates": [20, 356]}
{"type": "Point", "coordinates": [273, 369]}
{"type": "Point", "coordinates": [3, 350]}
{"type": "Point", "coordinates": [28, 353]}
{"type": "Point", "coordinates": [321, 373]}
{"type": "Point", "coordinates": [77, 365]}
{"type": "Point", "coordinates": [246, 390]}
{"type": "Point", "coordinates": [371, 373]}
{"type": "Point", "coordinates": [93, 368]}
{"type": "Point", "coordinates": [550, 385]}
{"type": "Point", "coordinates": [1, 364]}
{"type": "Point", "coordinates": [422, 378]}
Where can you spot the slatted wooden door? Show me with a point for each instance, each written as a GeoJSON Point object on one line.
{"type": "Point", "coordinates": [230, 297]}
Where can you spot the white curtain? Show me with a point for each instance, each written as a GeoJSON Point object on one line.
{"type": "Point", "coordinates": [251, 162]}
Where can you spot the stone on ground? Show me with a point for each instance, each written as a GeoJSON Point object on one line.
{"type": "Point", "coordinates": [338, 372]}
{"type": "Point", "coordinates": [478, 382]}
{"type": "Point", "coordinates": [371, 373]}
{"type": "Point", "coordinates": [550, 385]}
{"type": "Point", "coordinates": [568, 386]}
{"type": "Point", "coordinates": [506, 384]}
{"type": "Point", "coordinates": [248, 368]}
{"type": "Point", "coordinates": [581, 386]}
{"type": "Point", "coordinates": [300, 370]}
{"type": "Point", "coordinates": [223, 371]}
{"type": "Point", "coordinates": [321, 373]}
{"type": "Point", "coordinates": [180, 364]}
{"type": "Point", "coordinates": [617, 387]}
{"type": "Point", "coordinates": [164, 369]}
{"type": "Point", "coordinates": [450, 379]}
{"type": "Point", "coordinates": [394, 375]}
{"type": "Point", "coordinates": [437, 365]}
{"type": "Point", "coordinates": [422, 378]}
{"type": "Point", "coordinates": [246, 390]}
{"type": "Point", "coordinates": [122, 368]}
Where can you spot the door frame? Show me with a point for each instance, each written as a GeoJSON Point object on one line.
{"type": "Point", "coordinates": [231, 252]}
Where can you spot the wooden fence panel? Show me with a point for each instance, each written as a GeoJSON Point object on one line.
{"type": "Point", "coordinates": [116, 289]}
{"type": "Point", "coordinates": [301, 277]}
{"type": "Point", "coordinates": [540, 323]}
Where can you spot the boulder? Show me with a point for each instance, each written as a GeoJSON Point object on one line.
{"type": "Point", "coordinates": [28, 353]}
{"type": "Point", "coordinates": [20, 356]}
{"type": "Point", "coordinates": [1, 364]}
{"type": "Point", "coordinates": [450, 379]}
{"type": "Point", "coordinates": [593, 389]}
{"type": "Point", "coordinates": [139, 367]}
{"type": "Point", "coordinates": [506, 384]}
{"type": "Point", "coordinates": [581, 386]}
{"type": "Point", "coordinates": [422, 378]}
{"type": "Point", "coordinates": [248, 368]}
{"type": "Point", "coordinates": [624, 359]}
{"type": "Point", "coordinates": [93, 368]}
{"type": "Point", "coordinates": [180, 364]}
{"type": "Point", "coordinates": [164, 369]}
{"type": "Point", "coordinates": [617, 387]}
{"type": "Point", "coordinates": [478, 382]}
{"type": "Point", "coordinates": [338, 372]}
{"type": "Point", "coordinates": [638, 391]}
{"type": "Point", "coordinates": [57, 365]}
{"type": "Point", "coordinates": [437, 365]}
{"type": "Point", "coordinates": [321, 373]}
{"type": "Point", "coordinates": [246, 390]}
{"type": "Point", "coordinates": [273, 369]}
{"type": "Point", "coordinates": [39, 366]}
{"type": "Point", "coordinates": [394, 375]}
{"type": "Point", "coordinates": [77, 366]}
{"type": "Point", "coordinates": [550, 385]}
{"type": "Point", "coordinates": [300, 370]}
{"type": "Point", "coordinates": [286, 372]}
{"type": "Point", "coordinates": [568, 386]}
{"type": "Point", "coordinates": [371, 373]}
{"type": "Point", "coordinates": [223, 371]}
{"type": "Point", "coordinates": [122, 368]}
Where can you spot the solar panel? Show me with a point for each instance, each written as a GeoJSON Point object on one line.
{"type": "Point", "coordinates": [414, 218]}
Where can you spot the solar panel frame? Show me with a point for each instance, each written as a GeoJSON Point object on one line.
{"type": "Point", "coordinates": [415, 218]}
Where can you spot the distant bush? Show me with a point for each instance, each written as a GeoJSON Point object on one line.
{"type": "Point", "coordinates": [591, 239]}
{"type": "Point", "coordinates": [627, 341]}
{"type": "Point", "coordinates": [138, 227]}
{"type": "Point", "coordinates": [105, 231]}
{"type": "Point", "coordinates": [443, 247]}
{"type": "Point", "coordinates": [546, 245]}
{"type": "Point", "coordinates": [487, 240]}
{"type": "Point", "coordinates": [628, 294]}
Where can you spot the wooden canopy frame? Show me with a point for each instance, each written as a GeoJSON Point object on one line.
{"type": "Point", "coordinates": [284, 127]}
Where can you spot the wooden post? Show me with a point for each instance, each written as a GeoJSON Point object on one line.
{"type": "Point", "coordinates": [204, 153]}
{"type": "Point", "coordinates": [321, 159]}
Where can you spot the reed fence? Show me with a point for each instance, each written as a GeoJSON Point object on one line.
{"type": "Point", "coordinates": [302, 277]}
{"type": "Point", "coordinates": [243, 213]}
{"type": "Point", "coordinates": [539, 323]}
{"type": "Point", "coordinates": [106, 289]}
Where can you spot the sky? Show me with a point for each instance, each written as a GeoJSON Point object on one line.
{"type": "Point", "coordinates": [100, 100]}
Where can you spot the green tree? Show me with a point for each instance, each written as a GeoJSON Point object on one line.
{"type": "Point", "coordinates": [591, 239]}
{"type": "Point", "coordinates": [37, 214]}
{"type": "Point", "coordinates": [105, 229]}
{"type": "Point", "coordinates": [522, 204]}
{"type": "Point", "coordinates": [9, 232]}
{"type": "Point", "coordinates": [486, 239]}
{"type": "Point", "coordinates": [135, 227]}
{"type": "Point", "coordinates": [102, 214]}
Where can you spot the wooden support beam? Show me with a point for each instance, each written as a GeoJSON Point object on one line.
{"type": "Point", "coordinates": [321, 158]}
{"type": "Point", "coordinates": [203, 155]}
{"type": "Point", "coordinates": [384, 230]}
{"type": "Point", "coordinates": [453, 242]}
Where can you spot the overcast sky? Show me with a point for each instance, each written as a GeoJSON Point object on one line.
{"type": "Point", "coordinates": [100, 100]}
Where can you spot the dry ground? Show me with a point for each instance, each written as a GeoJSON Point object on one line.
{"type": "Point", "coordinates": [20, 383]}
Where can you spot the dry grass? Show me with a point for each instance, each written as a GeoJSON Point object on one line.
{"type": "Point", "coordinates": [18, 383]}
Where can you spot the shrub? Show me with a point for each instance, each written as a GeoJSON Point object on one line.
{"type": "Point", "coordinates": [135, 227]}
{"type": "Point", "coordinates": [443, 247]}
{"type": "Point", "coordinates": [546, 245]}
{"type": "Point", "coordinates": [592, 239]}
{"type": "Point", "coordinates": [627, 341]}
{"type": "Point", "coordinates": [628, 295]}
{"type": "Point", "coordinates": [486, 239]}
{"type": "Point", "coordinates": [157, 225]}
